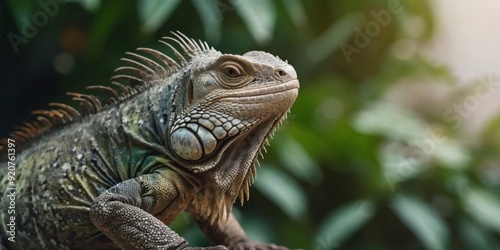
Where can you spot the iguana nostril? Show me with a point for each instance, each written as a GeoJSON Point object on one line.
{"type": "Point", "coordinates": [280, 72]}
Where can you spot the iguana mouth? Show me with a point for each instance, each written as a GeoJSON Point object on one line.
{"type": "Point", "coordinates": [268, 94]}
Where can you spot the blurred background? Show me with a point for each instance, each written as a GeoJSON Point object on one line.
{"type": "Point", "coordinates": [392, 143]}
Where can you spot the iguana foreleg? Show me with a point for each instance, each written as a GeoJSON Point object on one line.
{"type": "Point", "coordinates": [229, 233]}
{"type": "Point", "coordinates": [125, 214]}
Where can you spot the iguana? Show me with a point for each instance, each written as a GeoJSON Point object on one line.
{"type": "Point", "coordinates": [171, 136]}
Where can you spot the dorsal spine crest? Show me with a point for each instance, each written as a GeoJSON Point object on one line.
{"type": "Point", "coordinates": [144, 73]}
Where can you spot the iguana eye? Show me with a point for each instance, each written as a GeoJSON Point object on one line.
{"type": "Point", "coordinates": [231, 71]}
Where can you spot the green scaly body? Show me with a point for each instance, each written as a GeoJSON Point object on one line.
{"type": "Point", "coordinates": [185, 139]}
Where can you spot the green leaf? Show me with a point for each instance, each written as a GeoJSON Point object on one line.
{"type": "Point", "coordinates": [22, 11]}
{"type": "Point", "coordinates": [452, 154]}
{"type": "Point", "coordinates": [474, 236]}
{"type": "Point", "coordinates": [90, 5]}
{"type": "Point", "coordinates": [390, 121]}
{"type": "Point", "coordinates": [423, 220]}
{"type": "Point", "coordinates": [328, 42]}
{"type": "Point", "coordinates": [211, 17]}
{"type": "Point", "coordinates": [153, 13]}
{"type": "Point", "coordinates": [108, 17]}
{"type": "Point", "coordinates": [343, 222]}
{"type": "Point", "coordinates": [259, 16]}
{"type": "Point", "coordinates": [296, 12]}
{"type": "Point", "coordinates": [491, 133]}
{"type": "Point", "coordinates": [484, 207]}
{"type": "Point", "coordinates": [283, 190]}
{"type": "Point", "coordinates": [297, 160]}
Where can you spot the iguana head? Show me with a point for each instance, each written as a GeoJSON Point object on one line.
{"type": "Point", "coordinates": [227, 98]}
{"type": "Point", "coordinates": [227, 110]}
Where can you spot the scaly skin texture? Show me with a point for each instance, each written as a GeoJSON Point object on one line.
{"type": "Point", "coordinates": [185, 137]}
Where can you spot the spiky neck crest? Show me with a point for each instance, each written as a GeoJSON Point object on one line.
{"type": "Point", "coordinates": [147, 68]}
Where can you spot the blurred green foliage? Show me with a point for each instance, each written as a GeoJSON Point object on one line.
{"type": "Point", "coordinates": [349, 170]}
